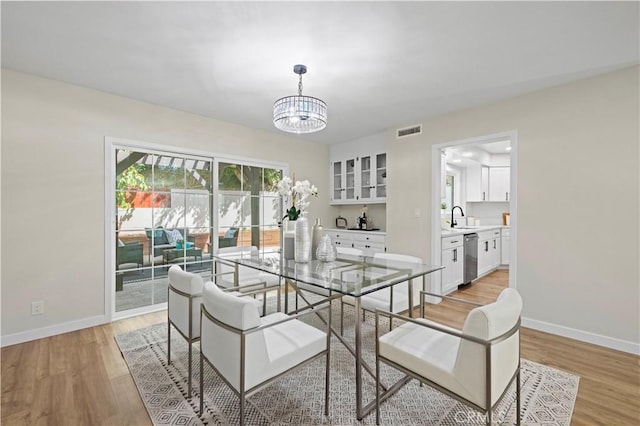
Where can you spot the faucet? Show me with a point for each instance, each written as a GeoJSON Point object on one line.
{"type": "Point", "coordinates": [453, 222]}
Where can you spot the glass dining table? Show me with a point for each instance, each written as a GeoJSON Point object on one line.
{"type": "Point", "coordinates": [353, 276]}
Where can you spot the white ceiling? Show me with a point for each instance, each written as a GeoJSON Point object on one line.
{"type": "Point", "coordinates": [377, 65]}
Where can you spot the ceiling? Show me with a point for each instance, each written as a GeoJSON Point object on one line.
{"type": "Point", "coordinates": [377, 65]}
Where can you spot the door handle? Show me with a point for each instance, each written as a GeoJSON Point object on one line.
{"type": "Point", "coordinates": [494, 244]}
{"type": "Point", "coordinates": [506, 196]}
{"type": "Point", "coordinates": [486, 246]}
{"type": "Point", "coordinates": [455, 255]}
{"type": "Point", "coordinates": [483, 196]}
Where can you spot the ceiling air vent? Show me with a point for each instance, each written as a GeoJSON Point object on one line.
{"type": "Point", "coordinates": [408, 131]}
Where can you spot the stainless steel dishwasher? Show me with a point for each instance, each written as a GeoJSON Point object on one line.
{"type": "Point", "coordinates": [470, 258]}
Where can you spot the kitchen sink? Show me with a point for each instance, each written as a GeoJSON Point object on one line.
{"type": "Point", "coordinates": [465, 227]}
{"type": "Point", "coordinates": [358, 229]}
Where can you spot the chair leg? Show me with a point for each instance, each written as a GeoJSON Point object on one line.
{"type": "Point", "coordinates": [377, 387]}
{"type": "Point", "coordinates": [201, 383]}
{"type": "Point", "coordinates": [241, 408]}
{"type": "Point", "coordinates": [518, 398]}
{"type": "Point", "coordinates": [189, 369]}
{"type": "Point", "coordinates": [341, 317]}
{"type": "Point", "coordinates": [168, 342]}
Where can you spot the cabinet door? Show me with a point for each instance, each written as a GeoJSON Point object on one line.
{"type": "Point", "coordinates": [484, 183]}
{"type": "Point", "coordinates": [366, 184]}
{"type": "Point", "coordinates": [495, 251]}
{"type": "Point", "coordinates": [484, 257]}
{"type": "Point", "coordinates": [373, 177]}
{"type": "Point", "coordinates": [477, 180]}
{"type": "Point", "coordinates": [381, 176]}
{"type": "Point", "coordinates": [499, 183]}
{"type": "Point", "coordinates": [350, 179]}
{"type": "Point", "coordinates": [504, 249]}
{"type": "Point", "coordinates": [338, 190]}
{"type": "Point", "coordinates": [452, 274]}
{"type": "Point", "coordinates": [343, 181]}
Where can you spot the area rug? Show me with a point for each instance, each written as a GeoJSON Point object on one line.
{"type": "Point", "coordinates": [548, 394]}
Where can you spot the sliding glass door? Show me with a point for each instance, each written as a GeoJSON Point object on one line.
{"type": "Point", "coordinates": [164, 217]}
{"type": "Point", "coordinates": [248, 205]}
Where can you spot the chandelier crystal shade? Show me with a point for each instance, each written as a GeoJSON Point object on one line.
{"type": "Point", "coordinates": [298, 113]}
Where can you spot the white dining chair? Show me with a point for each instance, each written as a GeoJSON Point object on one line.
{"type": "Point", "coordinates": [395, 298]}
{"type": "Point", "coordinates": [183, 310]}
{"type": "Point", "coordinates": [248, 352]}
{"type": "Point", "coordinates": [248, 278]}
{"type": "Point", "coordinates": [475, 365]}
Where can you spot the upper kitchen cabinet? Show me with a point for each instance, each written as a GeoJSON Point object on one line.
{"type": "Point", "coordinates": [358, 172]}
{"type": "Point", "coordinates": [487, 183]}
{"type": "Point", "coordinates": [499, 183]}
{"type": "Point", "coordinates": [477, 182]}
{"type": "Point", "coordinates": [343, 180]}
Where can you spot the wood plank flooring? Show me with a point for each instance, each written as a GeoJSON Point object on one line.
{"type": "Point", "coordinates": [80, 378]}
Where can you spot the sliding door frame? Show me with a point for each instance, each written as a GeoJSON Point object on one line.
{"type": "Point", "coordinates": [111, 145]}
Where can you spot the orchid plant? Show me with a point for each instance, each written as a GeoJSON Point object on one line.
{"type": "Point", "coordinates": [299, 194]}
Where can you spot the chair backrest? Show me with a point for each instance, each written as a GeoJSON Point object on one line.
{"type": "Point", "coordinates": [227, 279]}
{"type": "Point", "coordinates": [188, 283]}
{"type": "Point", "coordinates": [487, 322]}
{"type": "Point", "coordinates": [400, 290]}
{"type": "Point", "coordinates": [222, 346]}
{"type": "Point", "coordinates": [349, 251]}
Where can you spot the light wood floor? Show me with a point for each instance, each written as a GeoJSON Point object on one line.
{"type": "Point", "coordinates": [80, 378]}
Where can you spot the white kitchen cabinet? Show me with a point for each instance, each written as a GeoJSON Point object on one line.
{"type": "Point", "coordinates": [369, 242]}
{"type": "Point", "coordinates": [499, 183]}
{"type": "Point", "coordinates": [358, 171]}
{"type": "Point", "coordinates": [505, 245]}
{"type": "Point", "coordinates": [453, 262]}
{"type": "Point", "coordinates": [373, 178]}
{"type": "Point", "coordinates": [477, 183]}
{"type": "Point", "coordinates": [489, 253]}
{"type": "Point", "coordinates": [343, 180]}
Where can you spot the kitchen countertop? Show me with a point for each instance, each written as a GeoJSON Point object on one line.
{"type": "Point", "coordinates": [355, 230]}
{"type": "Point", "coordinates": [469, 230]}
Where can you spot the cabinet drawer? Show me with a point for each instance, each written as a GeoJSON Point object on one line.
{"type": "Point", "coordinates": [450, 242]}
{"type": "Point", "coordinates": [485, 235]}
{"type": "Point", "coordinates": [370, 238]}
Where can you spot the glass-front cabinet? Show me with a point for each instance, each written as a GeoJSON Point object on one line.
{"type": "Point", "coordinates": [373, 177]}
{"type": "Point", "coordinates": [360, 179]}
{"type": "Point", "coordinates": [343, 180]}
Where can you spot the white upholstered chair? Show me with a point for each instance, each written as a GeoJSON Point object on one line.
{"type": "Point", "coordinates": [183, 309]}
{"type": "Point", "coordinates": [349, 251]}
{"type": "Point", "coordinates": [394, 299]}
{"type": "Point", "coordinates": [248, 352]}
{"type": "Point", "coordinates": [246, 278]}
{"type": "Point", "coordinates": [476, 366]}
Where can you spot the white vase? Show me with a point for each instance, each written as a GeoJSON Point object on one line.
{"type": "Point", "coordinates": [316, 235]}
{"type": "Point", "coordinates": [288, 239]}
{"type": "Point", "coordinates": [303, 241]}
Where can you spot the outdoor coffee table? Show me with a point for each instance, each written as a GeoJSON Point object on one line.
{"type": "Point", "coordinates": [173, 254]}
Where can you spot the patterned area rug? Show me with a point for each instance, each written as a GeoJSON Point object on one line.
{"type": "Point", "coordinates": [548, 394]}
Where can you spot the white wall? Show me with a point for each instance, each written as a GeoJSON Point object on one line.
{"type": "Point", "coordinates": [578, 150]}
{"type": "Point", "coordinates": [53, 189]}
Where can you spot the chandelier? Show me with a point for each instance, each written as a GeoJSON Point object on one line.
{"type": "Point", "coordinates": [300, 114]}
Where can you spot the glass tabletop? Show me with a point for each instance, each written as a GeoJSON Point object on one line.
{"type": "Point", "coordinates": [349, 275]}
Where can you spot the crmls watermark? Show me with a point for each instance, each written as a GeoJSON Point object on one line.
{"type": "Point", "coordinates": [476, 417]}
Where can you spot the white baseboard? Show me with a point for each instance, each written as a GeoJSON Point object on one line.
{"type": "Point", "coordinates": [583, 336]}
{"type": "Point", "coordinates": [52, 330]}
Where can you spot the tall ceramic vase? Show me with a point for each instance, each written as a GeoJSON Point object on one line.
{"type": "Point", "coordinates": [303, 240]}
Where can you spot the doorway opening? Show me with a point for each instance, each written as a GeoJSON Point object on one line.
{"type": "Point", "coordinates": [478, 175]}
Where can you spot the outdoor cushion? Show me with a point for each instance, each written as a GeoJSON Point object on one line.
{"type": "Point", "coordinates": [173, 235]}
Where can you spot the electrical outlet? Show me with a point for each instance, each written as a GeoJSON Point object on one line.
{"type": "Point", "coordinates": [37, 308]}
